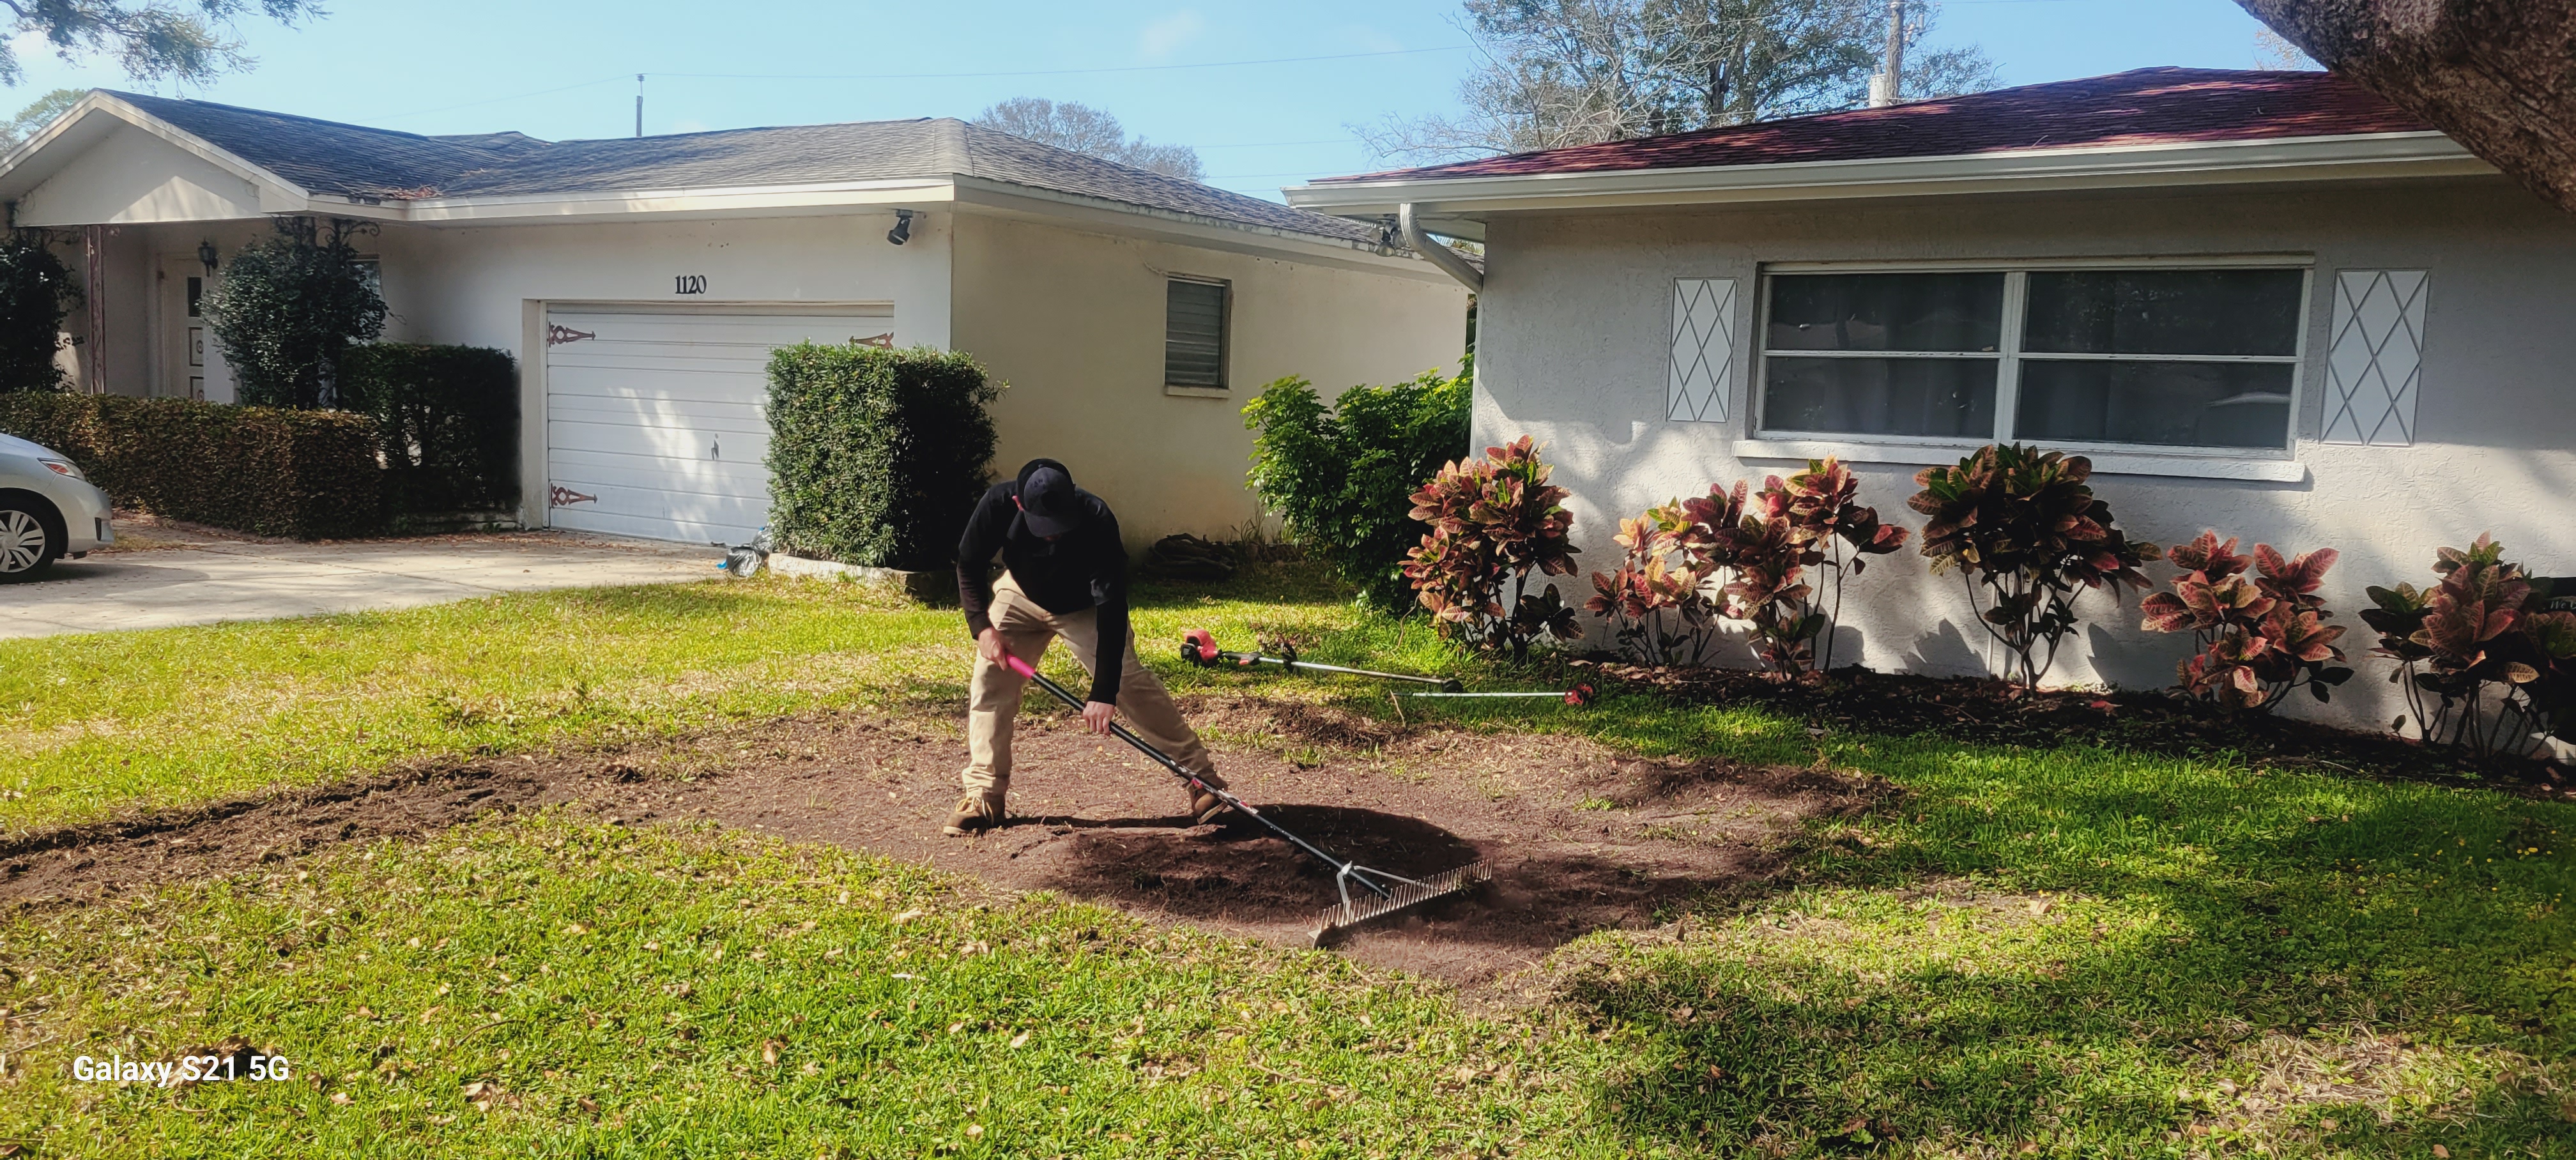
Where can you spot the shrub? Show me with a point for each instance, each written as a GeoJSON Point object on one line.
{"type": "Point", "coordinates": [1659, 607]}
{"type": "Point", "coordinates": [2023, 524]}
{"type": "Point", "coordinates": [288, 307]}
{"type": "Point", "coordinates": [2474, 634]}
{"type": "Point", "coordinates": [876, 457]}
{"type": "Point", "coordinates": [2259, 639]}
{"type": "Point", "coordinates": [1761, 544]}
{"type": "Point", "coordinates": [447, 419]}
{"type": "Point", "coordinates": [35, 291]}
{"type": "Point", "coordinates": [1339, 476]}
{"type": "Point", "coordinates": [1494, 521]}
{"type": "Point", "coordinates": [271, 472]}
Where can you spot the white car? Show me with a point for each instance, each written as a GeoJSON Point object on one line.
{"type": "Point", "coordinates": [48, 510]}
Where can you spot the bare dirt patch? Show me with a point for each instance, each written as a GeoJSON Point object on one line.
{"type": "Point", "coordinates": [1580, 837]}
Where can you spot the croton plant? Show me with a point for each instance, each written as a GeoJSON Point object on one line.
{"type": "Point", "coordinates": [2484, 665]}
{"type": "Point", "coordinates": [1756, 549]}
{"type": "Point", "coordinates": [2261, 636]}
{"type": "Point", "coordinates": [1493, 522]}
{"type": "Point", "coordinates": [2023, 525]}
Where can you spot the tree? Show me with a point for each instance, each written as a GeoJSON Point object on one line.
{"type": "Point", "coordinates": [36, 289]}
{"type": "Point", "coordinates": [37, 115]}
{"type": "Point", "coordinates": [2498, 75]}
{"type": "Point", "coordinates": [1575, 72]}
{"type": "Point", "coordinates": [1087, 130]}
{"type": "Point", "coordinates": [287, 307]}
{"type": "Point", "coordinates": [151, 40]}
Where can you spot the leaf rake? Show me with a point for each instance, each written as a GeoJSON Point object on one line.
{"type": "Point", "coordinates": [1381, 893]}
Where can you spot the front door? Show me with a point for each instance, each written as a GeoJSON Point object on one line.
{"type": "Point", "coordinates": [191, 366]}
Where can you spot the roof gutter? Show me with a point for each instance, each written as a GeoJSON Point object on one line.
{"type": "Point", "coordinates": [1441, 255]}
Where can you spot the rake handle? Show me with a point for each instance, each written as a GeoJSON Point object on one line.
{"type": "Point", "coordinates": [1178, 770]}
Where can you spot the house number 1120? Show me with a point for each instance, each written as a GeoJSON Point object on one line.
{"type": "Point", "coordinates": [688, 284]}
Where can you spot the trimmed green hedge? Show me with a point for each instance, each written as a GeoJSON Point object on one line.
{"type": "Point", "coordinates": [876, 456]}
{"type": "Point", "coordinates": [306, 474]}
{"type": "Point", "coordinates": [447, 418]}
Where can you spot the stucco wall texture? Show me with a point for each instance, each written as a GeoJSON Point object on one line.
{"type": "Point", "coordinates": [1074, 322]}
{"type": "Point", "coordinates": [1577, 336]}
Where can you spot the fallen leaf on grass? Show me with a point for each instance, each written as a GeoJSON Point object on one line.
{"type": "Point", "coordinates": [2441, 1153]}
{"type": "Point", "coordinates": [908, 916]}
{"type": "Point", "coordinates": [973, 1130]}
{"type": "Point", "coordinates": [1020, 1040]}
{"type": "Point", "coordinates": [341, 1098]}
{"type": "Point", "coordinates": [588, 1104]}
{"type": "Point", "coordinates": [769, 1053]}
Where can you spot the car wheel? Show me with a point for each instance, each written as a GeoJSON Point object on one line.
{"type": "Point", "coordinates": [26, 545]}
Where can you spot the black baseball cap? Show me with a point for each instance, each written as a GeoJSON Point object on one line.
{"type": "Point", "coordinates": [1048, 500]}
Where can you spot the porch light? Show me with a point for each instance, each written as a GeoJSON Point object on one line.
{"type": "Point", "coordinates": [902, 230]}
{"type": "Point", "coordinates": [207, 255]}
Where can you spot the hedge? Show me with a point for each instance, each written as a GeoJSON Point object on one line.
{"type": "Point", "coordinates": [447, 418]}
{"type": "Point", "coordinates": [876, 456]}
{"type": "Point", "coordinates": [305, 474]}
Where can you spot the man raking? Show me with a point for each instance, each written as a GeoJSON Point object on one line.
{"type": "Point", "coordinates": [1064, 575]}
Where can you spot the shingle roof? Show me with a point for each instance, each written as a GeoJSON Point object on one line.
{"type": "Point", "coordinates": [356, 161]}
{"type": "Point", "coordinates": [2146, 107]}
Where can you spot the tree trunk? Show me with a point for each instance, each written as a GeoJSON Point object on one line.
{"type": "Point", "coordinates": [2497, 75]}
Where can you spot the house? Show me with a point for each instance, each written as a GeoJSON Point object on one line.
{"type": "Point", "coordinates": [641, 282]}
{"type": "Point", "coordinates": [2266, 303]}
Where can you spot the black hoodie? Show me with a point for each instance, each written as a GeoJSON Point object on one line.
{"type": "Point", "coordinates": [1083, 568]}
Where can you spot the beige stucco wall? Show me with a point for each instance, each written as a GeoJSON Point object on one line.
{"type": "Point", "coordinates": [133, 176]}
{"type": "Point", "coordinates": [1074, 321]}
{"type": "Point", "coordinates": [1578, 317]}
{"type": "Point", "coordinates": [488, 286]}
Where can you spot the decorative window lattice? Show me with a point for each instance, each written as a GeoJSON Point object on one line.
{"type": "Point", "coordinates": [1703, 379]}
{"type": "Point", "coordinates": [2377, 359]}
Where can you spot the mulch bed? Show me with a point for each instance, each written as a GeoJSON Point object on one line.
{"type": "Point", "coordinates": [1990, 712]}
{"type": "Point", "coordinates": [1581, 838]}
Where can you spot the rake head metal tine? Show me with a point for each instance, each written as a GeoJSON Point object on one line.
{"type": "Point", "coordinates": [1400, 894]}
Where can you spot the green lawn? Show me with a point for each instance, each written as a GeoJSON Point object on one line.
{"type": "Point", "coordinates": [2064, 952]}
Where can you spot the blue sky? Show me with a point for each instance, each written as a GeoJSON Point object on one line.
{"type": "Point", "coordinates": [565, 68]}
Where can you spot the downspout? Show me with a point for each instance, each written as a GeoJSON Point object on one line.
{"type": "Point", "coordinates": [1442, 256]}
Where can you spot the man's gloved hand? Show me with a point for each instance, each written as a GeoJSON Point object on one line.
{"type": "Point", "coordinates": [1096, 716]}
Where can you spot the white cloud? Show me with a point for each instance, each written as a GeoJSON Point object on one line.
{"type": "Point", "coordinates": [689, 125]}
{"type": "Point", "coordinates": [1163, 36]}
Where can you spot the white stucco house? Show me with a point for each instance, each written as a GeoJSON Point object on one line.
{"type": "Point", "coordinates": [2266, 303]}
{"type": "Point", "coordinates": [641, 282]}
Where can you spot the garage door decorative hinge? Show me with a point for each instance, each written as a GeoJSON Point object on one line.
{"type": "Point", "coordinates": [566, 497]}
{"type": "Point", "coordinates": [559, 335]}
{"type": "Point", "coordinates": [882, 341]}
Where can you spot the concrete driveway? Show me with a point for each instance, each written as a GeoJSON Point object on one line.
{"type": "Point", "coordinates": [158, 577]}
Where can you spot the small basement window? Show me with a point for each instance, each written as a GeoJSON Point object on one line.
{"type": "Point", "coordinates": [2149, 358]}
{"type": "Point", "coordinates": [1194, 323]}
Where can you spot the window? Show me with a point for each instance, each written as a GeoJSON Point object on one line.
{"type": "Point", "coordinates": [1194, 320]}
{"type": "Point", "coordinates": [2166, 358]}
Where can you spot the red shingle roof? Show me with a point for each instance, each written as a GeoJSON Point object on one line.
{"type": "Point", "coordinates": [2156, 106]}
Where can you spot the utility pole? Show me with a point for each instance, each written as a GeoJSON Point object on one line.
{"type": "Point", "coordinates": [1886, 87]}
{"type": "Point", "coordinates": [639, 104]}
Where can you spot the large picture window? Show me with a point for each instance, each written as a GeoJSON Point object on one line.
{"type": "Point", "coordinates": [2155, 358]}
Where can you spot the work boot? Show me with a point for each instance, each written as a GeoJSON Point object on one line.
{"type": "Point", "coordinates": [975, 814]}
{"type": "Point", "coordinates": [1206, 807]}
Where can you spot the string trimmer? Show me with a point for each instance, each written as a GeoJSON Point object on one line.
{"type": "Point", "coordinates": [1198, 647]}
{"type": "Point", "coordinates": [1381, 894]}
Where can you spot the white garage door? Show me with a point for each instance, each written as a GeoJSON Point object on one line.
{"type": "Point", "coordinates": [656, 418]}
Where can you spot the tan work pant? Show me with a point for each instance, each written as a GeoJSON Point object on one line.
{"type": "Point", "coordinates": [1143, 703]}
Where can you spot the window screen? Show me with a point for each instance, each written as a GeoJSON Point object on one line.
{"type": "Point", "coordinates": [1194, 333]}
{"type": "Point", "coordinates": [2145, 357]}
{"type": "Point", "coordinates": [1883, 354]}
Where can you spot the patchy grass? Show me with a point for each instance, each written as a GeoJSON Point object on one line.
{"type": "Point", "coordinates": [94, 724]}
{"type": "Point", "coordinates": [2071, 951]}
{"type": "Point", "coordinates": [542, 986]}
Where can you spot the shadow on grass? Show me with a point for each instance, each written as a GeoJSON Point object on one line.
{"type": "Point", "coordinates": [2097, 954]}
